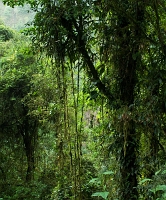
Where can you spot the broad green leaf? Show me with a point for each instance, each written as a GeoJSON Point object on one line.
{"type": "Point", "coordinates": [108, 172]}
{"type": "Point", "coordinates": [161, 187]}
{"type": "Point", "coordinates": [145, 180]}
{"type": "Point", "coordinates": [94, 180]}
{"type": "Point", "coordinates": [104, 195]}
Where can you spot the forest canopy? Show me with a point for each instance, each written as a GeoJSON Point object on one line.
{"type": "Point", "coordinates": [83, 101]}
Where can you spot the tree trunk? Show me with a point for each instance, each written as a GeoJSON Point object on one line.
{"type": "Point", "coordinates": [127, 60]}
{"type": "Point", "coordinates": [29, 149]}
{"type": "Point", "coordinates": [126, 66]}
{"type": "Point", "coordinates": [128, 166]}
{"type": "Point", "coordinates": [128, 157]}
{"type": "Point", "coordinates": [29, 132]}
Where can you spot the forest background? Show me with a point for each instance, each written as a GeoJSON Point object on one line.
{"type": "Point", "coordinates": [82, 100]}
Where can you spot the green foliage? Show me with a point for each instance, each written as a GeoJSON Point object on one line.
{"type": "Point", "coordinates": [64, 190]}
{"type": "Point", "coordinates": [27, 192]}
{"type": "Point", "coordinates": [154, 188]}
{"type": "Point", "coordinates": [105, 182]}
{"type": "Point", "coordinates": [104, 195]}
{"type": "Point", "coordinates": [114, 118]}
{"type": "Point", "coordinates": [15, 132]}
{"type": "Point", "coordinates": [5, 33]}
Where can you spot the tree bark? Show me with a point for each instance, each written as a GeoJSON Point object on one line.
{"type": "Point", "coordinates": [29, 149]}
{"type": "Point", "coordinates": [128, 154]}
{"type": "Point", "coordinates": [29, 132]}
{"type": "Point", "coordinates": [126, 66]}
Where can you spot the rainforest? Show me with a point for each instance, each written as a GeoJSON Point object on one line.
{"type": "Point", "coordinates": [82, 100]}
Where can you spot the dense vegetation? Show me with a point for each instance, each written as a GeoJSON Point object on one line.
{"type": "Point", "coordinates": [83, 102]}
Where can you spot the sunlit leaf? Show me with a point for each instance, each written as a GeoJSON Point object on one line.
{"type": "Point", "coordinates": [161, 187]}
{"type": "Point", "coordinates": [158, 172]}
{"type": "Point", "coordinates": [108, 172]}
{"type": "Point", "coordinates": [145, 180]}
{"type": "Point", "coordinates": [104, 195]}
{"type": "Point", "coordinates": [94, 180]}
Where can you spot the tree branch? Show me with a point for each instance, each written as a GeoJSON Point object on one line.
{"type": "Point", "coordinates": [81, 46]}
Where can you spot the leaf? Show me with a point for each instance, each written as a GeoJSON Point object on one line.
{"type": "Point", "coordinates": [13, 99]}
{"type": "Point", "coordinates": [104, 195]}
{"type": "Point", "coordinates": [163, 172]}
{"type": "Point", "coordinates": [94, 180]}
{"type": "Point", "coordinates": [108, 172]}
{"type": "Point", "coordinates": [158, 172]}
{"type": "Point", "coordinates": [145, 180]}
{"type": "Point", "coordinates": [164, 195]}
{"type": "Point", "coordinates": [161, 187]}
